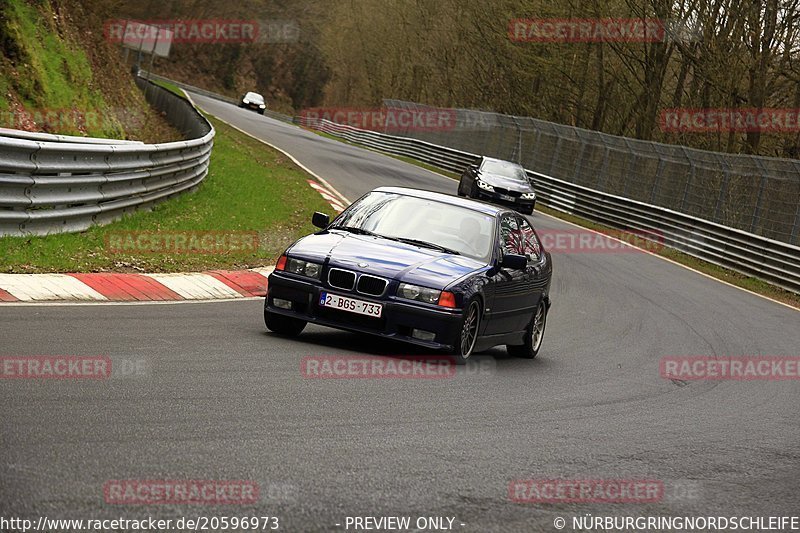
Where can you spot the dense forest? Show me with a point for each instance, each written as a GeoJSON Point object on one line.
{"type": "Point", "coordinates": [728, 54]}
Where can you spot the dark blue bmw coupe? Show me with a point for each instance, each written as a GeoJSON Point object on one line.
{"type": "Point", "coordinates": [421, 267]}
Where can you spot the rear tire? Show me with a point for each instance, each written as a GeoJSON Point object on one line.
{"type": "Point", "coordinates": [534, 335]}
{"type": "Point", "coordinates": [283, 325]}
{"type": "Point", "coordinates": [468, 333]}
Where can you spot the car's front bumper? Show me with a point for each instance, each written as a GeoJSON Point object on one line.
{"type": "Point", "coordinates": [397, 320]}
{"type": "Point", "coordinates": [504, 199]}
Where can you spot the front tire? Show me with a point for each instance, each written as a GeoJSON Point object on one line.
{"type": "Point", "coordinates": [534, 334]}
{"type": "Point", "coordinates": [468, 333]}
{"type": "Point", "coordinates": [283, 325]}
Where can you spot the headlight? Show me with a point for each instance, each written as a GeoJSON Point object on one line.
{"type": "Point", "coordinates": [304, 268]}
{"type": "Point", "coordinates": [262, 106]}
{"type": "Point", "coordinates": [415, 292]}
{"type": "Point", "coordinates": [485, 186]}
{"type": "Point", "coordinates": [245, 101]}
{"type": "Point", "coordinates": [528, 196]}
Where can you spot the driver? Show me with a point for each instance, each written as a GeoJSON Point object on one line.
{"type": "Point", "coordinates": [470, 231]}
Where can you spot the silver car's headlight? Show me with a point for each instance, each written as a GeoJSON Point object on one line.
{"type": "Point", "coordinates": [415, 292]}
{"type": "Point", "coordinates": [303, 268]}
{"type": "Point", "coordinates": [485, 186]}
{"type": "Point", "coordinates": [262, 106]}
{"type": "Point", "coordinates": [528, 196]}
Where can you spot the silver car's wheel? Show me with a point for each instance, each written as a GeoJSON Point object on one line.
{"type": "Point", "coordinates": [470, 325]}
{"type": "Point", "coordinates": [537, 328]}
{"type": "Point", "coordinates": [534, 335]}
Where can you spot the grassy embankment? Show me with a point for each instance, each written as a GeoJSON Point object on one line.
{"type": "Point", "coordinates": [57, 76]}
{"type": "Point", "coordinates": [49, 82]}
{"type": "Point", "coordinates": [250, 188]}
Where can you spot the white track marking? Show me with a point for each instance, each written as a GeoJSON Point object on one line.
{"type": "Point", "coordinates": [195, 286]}
{"type": "Point", "coordinates": [264, 271]}
{"type": "Point", "coordinates": [648, 252]}
{"type": "Point", "coordinates": [287, 154]}
{"type": "Point", "coordinates": [545, 214]}
{"type": "Point", "coordinates": [44, 287]}
{"type": "Point", "coordinates": [143, 302]}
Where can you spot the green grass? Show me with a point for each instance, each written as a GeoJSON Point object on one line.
{"type": "Point", "coordinates": [250, 187]}
{"type": "Point", "coordinates": [4, 106]}
{"type": "Point", "coordinates": [734, 278]}
{"type": "Point", "coordinates": [170, 87]}
{"type": "Point", "coordinates": [57, 73]}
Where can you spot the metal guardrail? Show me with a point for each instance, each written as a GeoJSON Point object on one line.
{"type": "Point", "coordinates": [209, 94]}
{"type": "Point", "coordinates": [59, 184]}
{"type": "Point", "coordinates": [756, 194]}
{"type": "Point", "coordinates": [767, 259]}
{"type": "Point", "coordinates": [47, 137]}
{"type": "Point", "coordinates": [753, 255]}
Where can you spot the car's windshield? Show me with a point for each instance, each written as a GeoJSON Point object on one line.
{"type": "Point", "coordinates": [459, 229]}
{"type": "Point", "coordinates": [505, 169]}
{"type": "Point", "coordinates": [255, 98]}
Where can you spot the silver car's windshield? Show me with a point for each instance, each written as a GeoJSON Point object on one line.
{"type": "Point", "coordinates": [462, 230]}
{"type": "Point", "coordinates": [255, 98]}
{"type": "Point", "coordinates": [505, 169]}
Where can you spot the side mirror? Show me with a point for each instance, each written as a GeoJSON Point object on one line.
{"type": "Point", "coordinates": [514, 262]}
{"type": "Point", "coordinates": [320, 220]}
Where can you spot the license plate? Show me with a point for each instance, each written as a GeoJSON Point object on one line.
{"type": "Point", "coordinates": [506, 198]}
{"type": "Point", "coordinates": [352, 305]}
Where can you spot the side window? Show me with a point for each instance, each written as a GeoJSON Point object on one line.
{"type": "Point", "coordinates": [530, 243]}
{"type": "Point", "coordinates": [509, 235]}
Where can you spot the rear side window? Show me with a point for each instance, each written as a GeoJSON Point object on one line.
{"type": "Point", "coordinates": [530, 243]}
{"type": "Point", "coordinates": [510, 238]}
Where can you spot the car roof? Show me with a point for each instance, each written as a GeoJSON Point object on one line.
{"type": "Point", "coordinates": [494, 159]}
{"type": "Point", "coordinates": [445, 198]}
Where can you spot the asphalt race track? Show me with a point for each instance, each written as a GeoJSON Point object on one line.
{"type": "Point", "coordinates": [218, 397]}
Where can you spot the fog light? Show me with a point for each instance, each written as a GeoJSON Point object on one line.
{"type": "Point", "coordinates": [423, 335]}
{"type": "Point", "coordinates": [282, 304]}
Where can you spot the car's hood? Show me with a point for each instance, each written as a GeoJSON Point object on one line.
{"type": "Point", "coordinates": [385, 258]}
{"type": "Point", "coordinates": [497, 180]}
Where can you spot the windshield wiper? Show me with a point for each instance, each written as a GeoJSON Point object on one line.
{"type": "Point", "coordinates": [358, 231]}
{"type": "Point", "coordinates": [416, 242]}
{"type": "Point", "coordinates": [426, 244]}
